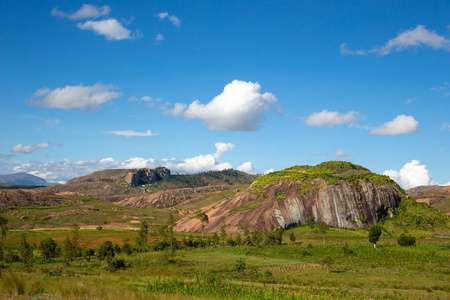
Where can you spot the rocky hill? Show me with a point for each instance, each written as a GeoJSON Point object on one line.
{"type": "Point", "coordinates": [22, 179]}
{"type": "Point", "coordinates": [341, 194]}
{"type": "Point", "coordinates": [419, 190]}
{"type": "Point", "coordinates": [438, 197]}
{"type": "Point", "coordinates": [152, 187]}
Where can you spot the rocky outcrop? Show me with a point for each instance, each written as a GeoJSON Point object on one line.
{"type": "Point", "coordinates": [143, 176]}
{"type": "Point", "coordinates": [290, 203]}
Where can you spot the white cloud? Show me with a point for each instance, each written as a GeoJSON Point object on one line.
{"type": "Point", "coordinates": [111, 29]}
{"type": "Point", "coordinates": [77, 96]}
{"type": "Point", "coordinates": [417, 37]}
{"type": "Point", "coordinates": [223, 147]}
{"type": "Point", "coordinates": [240, 106]}
{"type": "Point", "coordinates": [176, 111]}
{"type": "Point", "coordinates": [400, 125]}
{"type": "Point", "coordinates": [330, 119]}
{"type": "Point", "coordinates": [269, 171]}
{"type": "Point", "coordinates": [87, 11]}
{"type": "Point", "coordinates": [246, 167]}
{"type": "Point", "coordinates": [66, 169]}
{"type": "Point", "coordinates": [27, 149]}
{"type": "Point", "coordinates": [159, 37]}
{"type": "Point", "coordinates": [411, 175]}
{"type": "Point", "coordinates": [341, 155]}
{"type": "Point", "coordinates": [173, 19]}
{"type": "Point", "coordinates": [129, 133]}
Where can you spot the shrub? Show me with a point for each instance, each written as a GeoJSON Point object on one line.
{"type": "Point", "coordinates": [106, 250]}
{"type": "Point", "coordinates": [115, 264]}
{"type": "Point", "coordinates": [48, 248]}
{"type": "Point", "coordinates": [240, 265]}
{"type": "Point", "coordinates": [406, 240]}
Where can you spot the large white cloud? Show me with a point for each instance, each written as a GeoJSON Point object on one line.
{"type": "Point", "coordinates": [87, 11]}
{"type": "Point", "coordinates": [67, 169]}
{"type": "Point", "coordinates": [240, 106]}
{"type": "Point", "coordinates": [76, 96]}
{"type": "Point", "coordinates": [111, 29]}
{"type": "Point", "coordinates": [417, 37]}
{"type": "Point", "coordinates": [129, 133]}
{"type": "Point", "coordinates": [330, 119]}
{"type": "Point", "coordinates": [27, 149]}
{"type": "Point", "coordinates": [411, 175]}
{"type": "Point", "coordinates": [401, 124]}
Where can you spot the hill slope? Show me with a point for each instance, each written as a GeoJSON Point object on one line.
{"type": "Point", "coordinates": [22, 179]}
{"type": "Point", "coordinates": [438, 197]}
{"type": "Point", "coordinates": [151, 187]}
{"type": "Point", "coordinates": [338, 193]}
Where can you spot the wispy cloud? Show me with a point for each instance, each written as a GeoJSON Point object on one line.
{"type": "Point", "coordinates": [411, 100]}
{"type": "Point", "coordinates": [87, 11]}
{"type": "Point", "coordinates": [173, 19]}
{"type": "Point", "coordinates": [341, 155]}
{"type": "Point", "coordinates": [417, 37]}
{"type": "Point", "coordinates": [330, 119]}
{"type": "Point", "coordinates": [27, 149]}
{"type": "Point", "coordinates": [445, 126]}
{"type": "Point", "coordinates": [129, 133]}
{"type": "Point", "coordinates": [79, 96]}
{"type": "Point", "coordinates": [159, 37]}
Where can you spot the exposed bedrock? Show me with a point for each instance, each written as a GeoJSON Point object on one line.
{"type": "Point", "coordinates": [287, 204]}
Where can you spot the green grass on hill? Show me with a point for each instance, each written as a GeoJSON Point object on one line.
{"type": "Point", "coordinates": [333, 172]}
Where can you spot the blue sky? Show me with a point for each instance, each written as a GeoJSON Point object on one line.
{"type": "Point", "coordinates": [201, 85]}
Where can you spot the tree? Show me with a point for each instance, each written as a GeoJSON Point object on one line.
{"type": "Point", "coordinates": [327, 261]}
{"type": "Point", "coordinates": [322, 228]}
{"type": "Point", "coordinates": [68, 250]}
{"type": "Point", "coordinates": [292, 237]}
{"type": "Point", "coordinates": [25, 251]}
{"type": "Point", "coordinates": [374, 234]}
{"type": "Point", "coordinates": [311, 222]}
{"type": "Point", "coordinates": [223, 234]}
{"type": "Point", "coordinates": [204, 219]}
{"type": "Point", "coordinates": [3, 228]}
{"type": "Point", "coordinates": [75, 235]}
{"type": "Point", "coordinates": [106, 251]}
{"type": "Point", "coordinates": [141, 239]}
{"type": "Point", "coordinates": [48, 248]}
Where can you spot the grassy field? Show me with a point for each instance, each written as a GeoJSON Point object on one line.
{"type": "Point", "coordinates": [307, 264]}
{"type": "Point", "coordinates": [287, 271]}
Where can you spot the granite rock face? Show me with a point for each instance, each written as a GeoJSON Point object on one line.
{"type": "Point", "coordinates": [287, 204]}
{"type": "Point", "coordinates": [143, 176]}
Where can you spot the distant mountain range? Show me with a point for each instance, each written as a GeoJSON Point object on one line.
{"type": "Point", "coordinates": [22, 179]}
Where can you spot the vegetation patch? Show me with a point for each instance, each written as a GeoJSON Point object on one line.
{"type": "Point", "coordinates": [247, 207]}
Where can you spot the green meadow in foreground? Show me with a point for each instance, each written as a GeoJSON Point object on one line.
{"type": "Point", "coordinates": [306, 262]}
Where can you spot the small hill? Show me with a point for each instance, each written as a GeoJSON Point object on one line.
{"type": "Point", "coordinates": [341, 194]}
{"type": "Point", "coordinates": [22, 179]}
{"type": "Point", "coordinates": [29, 198]}
{"type": "Point", "coordinates": [437, 197]}
{"type": "Point", "coordinates": [419, 190]}
{"type": "Point", "coordinates": [152, 187]}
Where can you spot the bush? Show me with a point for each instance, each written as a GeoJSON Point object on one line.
{"type": "Point", "coordinates": [106, 251]}
{"type": "Point", "coordinates": [126, 248]}
{"type": "Point", "coordinates": [240, 265]}
{"type": "Point", "coordinates": [115, 264]}
{"type": "Point", "coordinates": [406, 240]}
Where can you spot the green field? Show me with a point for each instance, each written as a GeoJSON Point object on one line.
{"type": "Point", "coordinates": [302, 263]}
